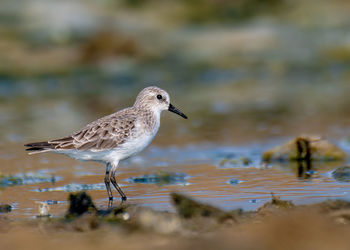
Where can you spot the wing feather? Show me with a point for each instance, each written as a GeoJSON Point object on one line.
{"type": "Point", "coordinates": [105, 133]}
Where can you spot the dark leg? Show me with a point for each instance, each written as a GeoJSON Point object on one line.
{"type": "Point", "coordinates": [107, 182]}
{"type": "Point", "coordinates": [115, 184]}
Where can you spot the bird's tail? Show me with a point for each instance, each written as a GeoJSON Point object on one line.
{"type": "Point", "coordinates": [39, 147]}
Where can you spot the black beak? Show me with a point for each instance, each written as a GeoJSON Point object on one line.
{"type": "Point", "coordinates": [176, 111]}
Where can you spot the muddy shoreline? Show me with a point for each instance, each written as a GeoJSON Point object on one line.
{"type": "Point", "coordinates": [278, 224]}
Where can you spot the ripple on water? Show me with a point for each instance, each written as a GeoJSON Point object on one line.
{"type": "Point", "coordinates": [73, 187]}
{"type": "Point", "coordinates": [27, 179]}
{"type": "Point", "coordinates": [161, 178]}
{"type": "Point", "coordinates": [221, 156]}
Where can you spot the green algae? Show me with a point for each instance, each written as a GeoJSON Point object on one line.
{"type": "Point", "coordinates": [240, 162]}
{"type": "Point", "coordinates": [26, 179]}
{"type": "Point", "coordinates": [342, 174]}
{"type": "Point", "coordinates": [161, 178]}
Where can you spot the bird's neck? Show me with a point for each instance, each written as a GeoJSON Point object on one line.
{"type": "Point", "coordinates": [149, 109]}
{"type": "Point", "coordinates": [150, 117]}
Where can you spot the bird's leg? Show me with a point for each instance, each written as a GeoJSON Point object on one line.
{"type": "Point", "coordinates": [114, 182]}
{"type": "Point", "coordinates": [107, 183]}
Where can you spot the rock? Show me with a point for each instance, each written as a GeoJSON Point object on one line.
{"type": "Point", "coordinates": [189, 208]}
{"type": "Point", "coordinates": [234, 181]}
{"type": "Point", "coordinates": [234, 163]}
{"type": "Point", "coordinates": [276, 204]}
{"type": "Point", "coordinates": [43, 209]}
{"type": "Point", "coordinates": [303, 147]}
{"type": "Point", "coordinates": [80, 203]}
{"type": "Point", "coordinates": [342, 174]}
{"type": "Point", "coordinates": [5, 208]}
{"type": "Point", "coordinates": [161, 222]}
{"type": "Point", "coordinates": [135, 217]}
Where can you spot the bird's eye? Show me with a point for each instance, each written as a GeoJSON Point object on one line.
{"type": "Point", "coordinates": [159, 97]}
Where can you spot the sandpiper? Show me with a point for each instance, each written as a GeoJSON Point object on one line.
{"type": "Point", "coordinates": [115, 137]}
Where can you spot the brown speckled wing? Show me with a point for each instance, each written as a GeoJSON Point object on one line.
{"type": "Point", "coordinates": [105, 133]}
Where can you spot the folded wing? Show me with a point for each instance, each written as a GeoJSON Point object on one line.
{"type": "Point", "coordinates": [105, 133]}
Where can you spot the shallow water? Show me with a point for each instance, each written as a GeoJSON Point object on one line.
{"type": "Point", "coordinates": [219, 175]}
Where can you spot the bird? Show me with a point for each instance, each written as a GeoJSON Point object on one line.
{"type": "Point", "coordinates": [114, 137]}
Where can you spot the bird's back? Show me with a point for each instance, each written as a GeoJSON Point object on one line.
{"type": "Point", "coordinates": [105, 133]}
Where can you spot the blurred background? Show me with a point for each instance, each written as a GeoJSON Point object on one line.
{"type": "Point", "coordinates": [243, 71]}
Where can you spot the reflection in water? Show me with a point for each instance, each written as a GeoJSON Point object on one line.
{"type": "Point", "coordinates": [304, 159]}
{"type": "Point", "coordinates": [305, 169]}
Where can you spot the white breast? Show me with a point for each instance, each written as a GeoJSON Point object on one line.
{"type": "Point", "coordinates": [136, 144]}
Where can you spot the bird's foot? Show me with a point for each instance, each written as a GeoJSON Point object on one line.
{"type": "Point", "coordinates": [110, 202]}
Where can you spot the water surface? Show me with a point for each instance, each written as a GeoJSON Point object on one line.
{"type": "Point", "coordinates": [226, 176]}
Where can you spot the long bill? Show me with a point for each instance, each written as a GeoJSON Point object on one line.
{"type": "Point", "coordinates": [176, 111]}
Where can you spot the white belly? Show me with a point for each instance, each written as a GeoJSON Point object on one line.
{"type": "Point", "coordinates": [129, 148]}
{"type": "Point", "coordinates": [123, 151]}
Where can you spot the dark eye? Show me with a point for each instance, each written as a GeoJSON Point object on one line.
{"type": "Point", "coordinates": [159, 97]}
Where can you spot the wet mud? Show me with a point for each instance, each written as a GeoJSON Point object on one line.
{"type": "Point", "coordinates": [195, 224]}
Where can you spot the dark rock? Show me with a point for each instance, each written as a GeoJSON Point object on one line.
{"type": "Point", "coordinates": [80, 203]}
{"type": "Point", "coordinates": [189, 208]}
{"type": "Point", "coordinates": [5, 208]}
